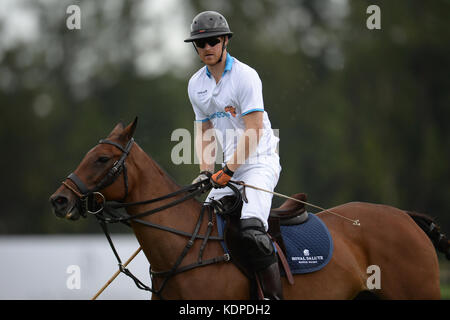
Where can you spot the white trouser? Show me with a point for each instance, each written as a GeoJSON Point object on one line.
{"type": "Point", "coordinates": [263, 175]}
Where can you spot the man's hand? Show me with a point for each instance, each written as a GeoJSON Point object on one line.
{"type": "Point", "coordinates": [203, 176]}
{"type": "Point", "coordinates": [221, 177]}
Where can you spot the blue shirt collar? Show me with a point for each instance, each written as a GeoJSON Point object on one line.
{"type": "Point", "coordinates": [228, 65]}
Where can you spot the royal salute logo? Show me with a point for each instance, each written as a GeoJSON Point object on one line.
{"type": "Point", "coordinates": [231, 110]}
{"type": "Point", "coordinates": [308, 258]}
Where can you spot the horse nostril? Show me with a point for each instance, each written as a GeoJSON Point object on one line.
{"type": "Point", "coordinates": [59, 202]}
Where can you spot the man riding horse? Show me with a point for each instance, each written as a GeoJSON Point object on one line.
{"type": "Point", "coordinates": [226, 95]}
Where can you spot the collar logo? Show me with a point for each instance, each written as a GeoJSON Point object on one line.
{"type": "Point", "coordinates": [231, 110]}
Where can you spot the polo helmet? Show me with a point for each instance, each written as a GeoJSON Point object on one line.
{"type": "Point", "coordinates": [209, 24]}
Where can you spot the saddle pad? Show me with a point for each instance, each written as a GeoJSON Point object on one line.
{"type": "Point", "coordinates": [309, 245]}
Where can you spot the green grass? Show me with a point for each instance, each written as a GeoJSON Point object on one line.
{"type": "Point", "coordinates": [444, 266]}
{"type": "Point", "coordinates": [445, 292]}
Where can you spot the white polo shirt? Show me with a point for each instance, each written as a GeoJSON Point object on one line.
{"type": "Point", "coordinates": [239, 92]}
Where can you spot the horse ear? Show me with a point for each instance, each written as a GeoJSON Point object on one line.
{"type": "Point", "coordinates": [117, 129]}
{"type": "Point", "coordinates": [128, 132]}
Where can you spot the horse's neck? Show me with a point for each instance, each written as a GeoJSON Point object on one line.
{"type": "Point", "coordinates": [149, 181]}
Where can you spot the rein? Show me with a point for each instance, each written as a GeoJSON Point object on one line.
{"type": "Point", "coordinates": [104, 212]}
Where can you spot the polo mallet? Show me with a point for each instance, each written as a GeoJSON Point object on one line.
{"type": "Point", "coordinates": [116, 274]}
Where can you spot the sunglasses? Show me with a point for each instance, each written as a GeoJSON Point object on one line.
{"type": "Point", "coordinates": [201, 43]}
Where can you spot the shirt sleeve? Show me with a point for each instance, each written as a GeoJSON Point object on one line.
{"type": "Point", "coordinates": [250, 93]}
{"type": "Point", "coordinates": [199, 114]}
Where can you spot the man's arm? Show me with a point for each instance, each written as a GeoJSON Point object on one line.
{"type": "Point", "coordinates": [205, 145]}
{"type": "Point", "coordinates": [249, 141]}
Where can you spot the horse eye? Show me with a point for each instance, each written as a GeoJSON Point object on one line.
{"type": "Point", "coordinates": [103, 159]}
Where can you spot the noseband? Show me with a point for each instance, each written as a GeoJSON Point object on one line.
{"type": "Point", "coordinates": [87, 197]}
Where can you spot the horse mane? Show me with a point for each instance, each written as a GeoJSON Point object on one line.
{"type": "Point", "coordinates": [161, 169]}
{"type": "Point", "coordinates": [163, 172]}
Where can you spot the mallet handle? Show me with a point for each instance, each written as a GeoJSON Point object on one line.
{"type": "Point", "coordinates": [116, 274]}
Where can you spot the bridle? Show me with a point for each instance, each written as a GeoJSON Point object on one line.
{"type": "Point", "coordinates": [104, 212]}
{"type": "Point", "coordinates": [87, 197]}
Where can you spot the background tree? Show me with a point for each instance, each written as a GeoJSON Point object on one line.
{"type": "Point", "coordinates": [362, 113]}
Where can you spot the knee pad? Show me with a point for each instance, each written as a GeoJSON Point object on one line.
{"type": "Point", "coordinates": [257, 244]}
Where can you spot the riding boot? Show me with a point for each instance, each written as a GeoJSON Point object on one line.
{"type": "Point", "coordinates": [271, 282]}
{"type": "Point", "coordinates": [261, 257]}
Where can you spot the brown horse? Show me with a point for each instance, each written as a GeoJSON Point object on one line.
{"type": "Point", "coordinates": [396, 241]}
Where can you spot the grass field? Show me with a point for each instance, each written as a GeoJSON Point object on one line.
{"type": "Point", "coordinates": [444, 266]}
{"type": "Point", "coordinates": [445, 292]}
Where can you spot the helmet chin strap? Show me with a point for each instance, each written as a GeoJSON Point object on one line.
{"type": "Point", "coordinates": [221, 55]}
{"type": "Point", "coordinates": [194, 47]}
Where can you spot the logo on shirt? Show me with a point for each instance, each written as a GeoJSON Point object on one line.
{"type": "Point", "coordinates": [202, 92]}
{"type": "Point", "coordinates": [220, 114]}
{"type": "Point", "coordinates": [231, 110]}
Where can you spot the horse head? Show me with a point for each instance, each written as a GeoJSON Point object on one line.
{"type": "Point", "coordinates": [101, 174]}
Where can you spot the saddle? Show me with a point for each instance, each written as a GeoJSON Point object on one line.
{"type": "Point", "coordinates": [289, 213]}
